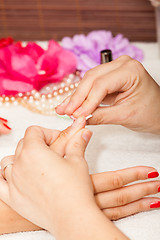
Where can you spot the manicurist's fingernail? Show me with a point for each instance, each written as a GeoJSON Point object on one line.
{"type": "Point", "coordinates": [155, 205]}
{"type": "Point", "coordinates": [86, 135]}
{"type": "Point", "coordinates": [5, 125]}
{"type": "Point", "coordinates": [153, 174]}
{"type": "Point", "coordinates": [78, 121]}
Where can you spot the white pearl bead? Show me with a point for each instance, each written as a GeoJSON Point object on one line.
{"type": "Point", "coordinates": [37, 102]}
{"type": "Point", "coordinates": [55, 93]}
{"type": "Point", "coordinates": [62, 85]}
{"type": "Point", "coordinates": [12, 99]}
{"type": "Point", "coordinates": [6, 99]}
{"type": "Point", "coordinates": [37, 95]}
{"type": "Point", "coordinates": [43, 97]}
{"type": "Point", "coordinates": [60, 91]}
{"type": "Point", "coordinates": [49, 95]}
{"type": "Point", "coordinates": [71, 86]}
{"type": "Point", "coordinates": [58, 97]}
{"type": "Point", "coordinates": [7, 104]}
{"type": "Point", "coordinates": [15, 103]}
{"type": "Point", "coordinates": [69, 80]}
{"type": "Point", "coordinates": [48, 88]}
{"type": "Point", "coordinates": [66, 89]}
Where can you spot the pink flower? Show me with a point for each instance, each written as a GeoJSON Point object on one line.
{"type": "Point", "coordinates": [5, 42]}
{"type": "Point", "coordinates": [23, 69]}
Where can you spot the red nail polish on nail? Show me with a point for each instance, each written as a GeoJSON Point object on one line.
{"type": "Point", "coordinates": [7, 126]}
{"type": "Point", "coordinates": [155, 205]}
{"type": "Point", "coordinates": [3, 119]}
{"type": "Point", "coordinates": [159, 189]}
{"type": "Point", "coordinates": [153, 174]}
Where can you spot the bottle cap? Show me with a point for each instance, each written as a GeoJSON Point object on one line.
{"type": "Point", "coordinates": [106, 56]}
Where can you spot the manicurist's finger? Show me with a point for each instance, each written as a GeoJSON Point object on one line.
{"type": "Point", "coordinates": [115, 81]}
{"type": "Point", "coordinates": [126, 194]}
{"type": "Point", "coordinates": [86, 83]}
{"type": "Point", "coordinates": [60, 109]}
{"type": "Point", "coordinates": [142, 205]}
{"type": "Point", "coordinates": [59, 145]}
{"type": "Point", "coordinates": [116, 179]}
{"type": "Point", "coordinates": [77, 144]}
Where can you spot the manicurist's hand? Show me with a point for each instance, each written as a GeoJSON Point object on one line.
{"type": "Point", "coordinates": [50, 185]}
{"type": "Point", "coordinates": [123, 84]}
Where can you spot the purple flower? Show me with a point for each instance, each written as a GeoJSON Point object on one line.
{"type": "Point", "coordinates": [87, 48]}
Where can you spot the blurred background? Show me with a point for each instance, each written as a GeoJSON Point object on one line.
{"type": "Point", "coordinates": [48, 19]}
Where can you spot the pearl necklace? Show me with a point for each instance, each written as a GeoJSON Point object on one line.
{"type": "Point", "coordinates": [45, 100]}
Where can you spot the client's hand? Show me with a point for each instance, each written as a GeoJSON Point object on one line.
{"type": "Point", "coordinates": [4, 128]}
{"type": "Point", "coordinates": [117, 200]}
{"type": "Point", "coordinates": [123, 84]}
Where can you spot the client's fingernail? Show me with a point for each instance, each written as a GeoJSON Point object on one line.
{"type": "Point", "coordinates": [86, 135]}
{"type": "Point", "coordinates": [3, 119]}
{"type": "Point", "coordinates": [5, 125]}
{"type": "Point", "coordinates": [155, 205]}
{"type": "Point", "coordinates": [78, 121]}
{"type": "Point", "coordinates": [159, 189]}
{"type": "Point", "coordinates": [153, 174]}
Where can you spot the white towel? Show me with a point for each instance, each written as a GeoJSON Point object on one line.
{"type": "Point", "coordinates": [111, 148]}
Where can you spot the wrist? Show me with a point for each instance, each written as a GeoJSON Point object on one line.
{"type": "Point", "coordinates": [85, 222]}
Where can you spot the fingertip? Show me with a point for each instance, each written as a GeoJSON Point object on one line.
{"type": "Point", "coordinates": [60, 109]}
{"type": "Point", "coordinates": [4, 128]}
{"type": "Point", "coordinates": [86, 135]}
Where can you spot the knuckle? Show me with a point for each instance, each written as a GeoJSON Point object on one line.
{"type": "Point", "coordinates": [141, 206]}
{"type": "Point", "coordinates": [115, 215]}
{"type": "Point", "coordinates": [77, 145]}
{"type": "Point", "coordinates": [135, 65]}
{"type": "Point", "coordinates": [65, 133]}
{"type": "Point", "coordinates": [124, 58]}
{"type": "Point", "coordinates": [88, 74]}
{"type": "Point", "coordinates": [117, 181]}
{"type": "Point", "coordinates": [149, 188]}
{"type": "Point", "coordinates": [121, 199]}
{"type": "Point", "coordinates": [99, 118]}
{"type": "Point", "coordinates": [31, 129]}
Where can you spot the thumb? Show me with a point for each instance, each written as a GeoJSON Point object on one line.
{"type": "Point", "coordinates": [78, 143]}
{"type": "Point", "coordinates": [117, 114]}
